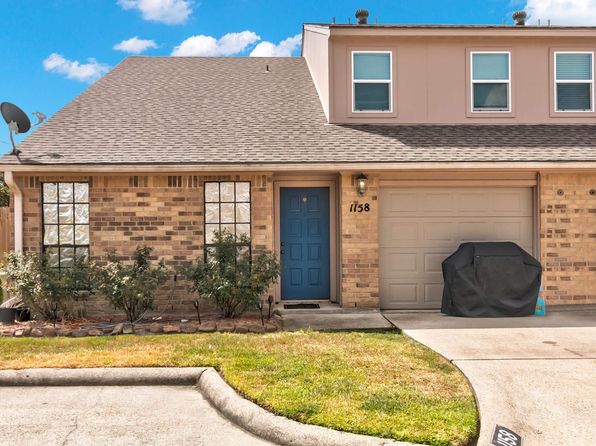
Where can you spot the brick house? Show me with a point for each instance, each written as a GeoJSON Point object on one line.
{"type": "Point", "coordinates": [362, 164]}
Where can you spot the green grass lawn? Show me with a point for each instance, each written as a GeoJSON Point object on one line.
{"type": "Point", "coordinates": [380, 384]}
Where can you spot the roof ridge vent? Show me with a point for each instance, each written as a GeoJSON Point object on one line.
{"type": "Point", "coordinates": [520, 17]}
{"type": "Point", "coordinates": [362, 16]}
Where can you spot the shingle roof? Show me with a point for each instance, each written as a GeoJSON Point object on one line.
{"type": "Point", "coordinates": [168, 110]}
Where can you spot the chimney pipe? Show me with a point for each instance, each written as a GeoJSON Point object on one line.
{"type": "Point", "coordinates": [520, 18]}
{"type": "Point", "coordinates": [362, 16]}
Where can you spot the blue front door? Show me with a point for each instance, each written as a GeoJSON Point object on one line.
{"type": "Point", "coordinates": [304, 242]}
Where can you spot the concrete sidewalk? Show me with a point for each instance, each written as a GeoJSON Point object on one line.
{"type": "Point", "coordinates": [115, 415]}
{"type": "Point", "coordinates": [364, 320]}
{"type": "Point", "coordinates": [538, 381]}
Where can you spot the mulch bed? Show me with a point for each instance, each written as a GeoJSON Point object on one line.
{"type": "Point", "coordinates": [91, 327]}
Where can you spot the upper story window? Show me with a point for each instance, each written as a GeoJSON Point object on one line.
{"type": "Point", "coordinates": [65, 208]}
{"type": "Point", "coordinates": [574, 81]}
{"type": "Point", "coordinates": [371, 79]}
{"type": "Point", "coordinates": [491, 81]}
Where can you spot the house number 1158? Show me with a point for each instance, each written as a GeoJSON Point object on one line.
{"type": "Point", "coordinates": [360, 207]}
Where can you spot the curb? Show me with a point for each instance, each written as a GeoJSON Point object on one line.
{"type": "Point", "coordinates": [274, 428]}
{"type": "Point", "coordinates": [245, 414]}
{"type": "Point", "coordinates": [135, 376]}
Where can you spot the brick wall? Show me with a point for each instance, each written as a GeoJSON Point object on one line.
{"type": "Point", "coordinates": [163, 212]}
{"type": "Point", "coordinates": [568, 237]}
{"type": "Point", "coordinates": [359, 244]}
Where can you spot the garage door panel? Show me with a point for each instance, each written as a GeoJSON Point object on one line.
{"type": "Point", "coordinates": [415, 239]}
{"type": "Point", "coordinates": [433, 293]}
{"type": "Point", "coordinates": [399, 262]}
{"type": "Point", "coordinates": [400, 293]}
{"type": "Point", "coordinates": [433, 261]}
{"type": "Point", "coordinates": [399, 203]}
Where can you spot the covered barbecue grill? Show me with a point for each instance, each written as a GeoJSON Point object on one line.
{"type": "Point", "coordinates": [495, 279]}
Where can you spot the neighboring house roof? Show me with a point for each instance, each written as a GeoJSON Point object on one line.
{"type": "Point", "coordinates": [201, 111]}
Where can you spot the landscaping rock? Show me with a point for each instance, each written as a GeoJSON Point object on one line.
{"type": "Point", "coordinates": [206, 327]}
{"type": "Point", "coordinates": [64, 332]}
{"type": "Point", "coordinates": [241, 329]}
{"type": "Point", "coordinates": [155, 328]}
{"type": "Point", "coordinates": [188, 328]}
{"type": "Point", "coordinates": [269, 327]}
{"type": "Point", "coordinates": [36, 332]}
{"type": "Point", "coordinates": [139, 331]}
{"type": "Point", "coordinates": [128, 329]}
{"type": "Point", "coordinates": [107, 330]}
{"type": "Point", "coordinates": [79, 333]}
{"type": "Point", "coordinates": [20, 332]}
{"type": "Point", "coordinates": [225, 326]}
{"type": "Point", "coordinates": [171, 329]}
{"type": "Point", "coordinates": [256, 328]}
{"type": "Point", "coordinates": [95, 332]}
{"type": "Point", "coordinates": [117, 329]}
{"type": "Point", "coordinates": [49, 332]}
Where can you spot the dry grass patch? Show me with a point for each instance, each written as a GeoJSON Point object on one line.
{"type": "Point", "coordinates": [380, 384]}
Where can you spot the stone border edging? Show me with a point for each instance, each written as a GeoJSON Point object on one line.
{"type": "Point", "coordinates": [133, 376]}
{"type": "Point", "coordinates": [277, 429]}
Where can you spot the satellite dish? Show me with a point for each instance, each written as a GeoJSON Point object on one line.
{"type": "Point", "coordinates": [12, 113]}
{"type": "Point", "coordinates": [18, 121]}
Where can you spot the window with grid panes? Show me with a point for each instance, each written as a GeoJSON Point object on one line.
{"type": "Point", "coordinates": [65, 216]}
{"type": "Point", "coordinates": [227, 208]}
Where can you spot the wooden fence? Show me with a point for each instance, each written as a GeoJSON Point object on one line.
{"type": "Point", "coordinates": [4, 231]}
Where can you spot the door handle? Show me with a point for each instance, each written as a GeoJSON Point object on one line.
{"type": "Point", "coordinates": [281, 252]}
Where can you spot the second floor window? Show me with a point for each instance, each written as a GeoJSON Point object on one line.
{"type": "Point", "coordinates": [491, 82]}
{"type": "Point", "coordinates": [574, 81]}
{"type": "Point", "coordinates": [371, 81]}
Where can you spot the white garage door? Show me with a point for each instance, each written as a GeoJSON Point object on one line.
{"type": "Point", "coordinates": [420, 227]}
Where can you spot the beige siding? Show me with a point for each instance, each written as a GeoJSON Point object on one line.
{"type": "Point", "coordinates": [431, 79]}
{"type": "Point", "coordinates": [315, 48]}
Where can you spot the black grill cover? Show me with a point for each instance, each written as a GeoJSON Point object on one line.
{"type": "Point", "coordinates": [490, 280]}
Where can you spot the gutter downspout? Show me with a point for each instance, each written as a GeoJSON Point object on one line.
{"type": "Point", "coordinates": [18, 210]}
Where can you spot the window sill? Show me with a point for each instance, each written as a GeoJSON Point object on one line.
{"type": "Point", "coordinates": [490, 114]}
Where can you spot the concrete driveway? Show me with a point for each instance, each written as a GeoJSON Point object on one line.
{"type": "Point", "coordinates": [114, 415]}
{"type": "Point", "coordinates": [535, 376]}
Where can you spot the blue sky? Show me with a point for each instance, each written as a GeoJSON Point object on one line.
{"type": "Point", "coordinates": [51, 50]}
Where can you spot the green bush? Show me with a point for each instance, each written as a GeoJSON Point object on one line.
{"type": "Point", "coordinates": [230, 278]}
{"type": "Point", "coordinates": [39, 286]}
{"type": "Point", "coordinates": [4, 194]}
{"type": "Point", "coordinates": [130, 288]}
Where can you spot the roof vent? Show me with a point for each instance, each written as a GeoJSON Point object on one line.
{"type": "Point", "coordinates": [520, 18]}
{"type": "Point", "coordinates": [362, 16]}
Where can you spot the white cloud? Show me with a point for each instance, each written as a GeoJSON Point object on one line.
{"type": "Point", "coordinates": [83, 72]}
{"type": "Point", "coordinates": [171, 12]}
{"type": "Point", "coordinates": [285, 48]}
{"type": "Point", "coordinates": [561, 12]}
{"type": "Point", "coordinates": [227, 45]}
{"type": "Point", "coordinates": [135, 45]}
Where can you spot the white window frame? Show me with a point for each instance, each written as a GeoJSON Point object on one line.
{"type": "Point", "coordinates": [373, 81]}
{"type": "Point", "coordinates": [496, 81]}
{"type": "Point", "coordinates": [556, 82]}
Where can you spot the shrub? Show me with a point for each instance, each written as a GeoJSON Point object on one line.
{"type": "Point", "coordinates": [230, 278]}
{"type": "Point", "coordinates": [4, 194]}
{"type": "Point", "coordinates": [31, 279]}
{"type": "Point", "coordinates": [130, 288]}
